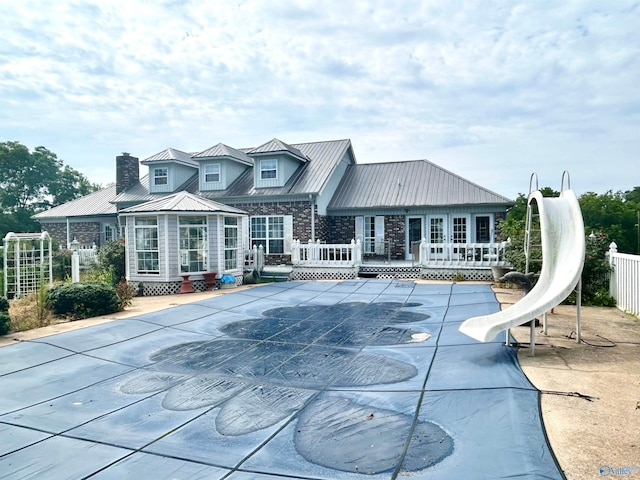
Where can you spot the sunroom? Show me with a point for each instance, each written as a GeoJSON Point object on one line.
{"type": "Point", "coordinates": [182, 238]}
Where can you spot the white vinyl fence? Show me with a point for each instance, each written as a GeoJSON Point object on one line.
{"type": "Point", "coordinates": [625, 280]}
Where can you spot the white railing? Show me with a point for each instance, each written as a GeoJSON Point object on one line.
{"type": "Point", "coordinates": [624, 284]}
{"type": "Point", "coordinates": [87, 255]}
{"type": "Point", "coordinates": [462, 254]}
{"type": "Point", "coordinates": [326, 254]}
{"type": "Point", "coordinates": [254, 258]}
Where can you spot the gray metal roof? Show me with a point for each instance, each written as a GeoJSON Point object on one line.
{"type": "Point", "coordinates": [181, 202]}
{"type": "Point", "coordinates": [224, 151]}
{"type": "Point", "coordinates": [408, 184]}
{"type": "Point", "coordinates": [276, 146]}
{"type": "Point", "coordinates": [309, 178]}
{"type": "Point", "coordinates": [170, 155]}
{"type": "Point", "coordinates": [96, 203]}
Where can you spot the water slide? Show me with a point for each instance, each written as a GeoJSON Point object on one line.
{"type": "Point", "coordinates": [563, 247]}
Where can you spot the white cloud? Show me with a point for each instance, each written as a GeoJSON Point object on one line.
{"type": "Point", "coordinates": [486, 89]}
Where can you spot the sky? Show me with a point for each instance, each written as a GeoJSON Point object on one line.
{"type": "Point", "coordinates": [491, 90]}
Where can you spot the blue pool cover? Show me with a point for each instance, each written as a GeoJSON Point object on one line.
{"type": "Point", "coordinates": [307, 380]}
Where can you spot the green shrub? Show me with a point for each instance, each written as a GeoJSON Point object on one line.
{"type": "Point", "coordinates": [4, 304]}
{"type": "Point", "coordinates": [5, 323]}
{"type": "Point", "coordinates": [83, 300]}
{"type": "Point", "coordinates": [111, 258]}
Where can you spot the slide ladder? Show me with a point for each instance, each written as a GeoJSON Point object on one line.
{"type": "Point", "coordinates": [562, 244]}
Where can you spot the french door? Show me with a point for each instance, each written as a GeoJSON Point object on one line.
{"type": "Point", "coordinates": [437, 234]}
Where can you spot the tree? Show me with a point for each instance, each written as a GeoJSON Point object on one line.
{"type": "Point", "coordinates": [614, 214]}
{"type": "Point", "coordinates": [69, 185]}
{"type": "Point", "coordinates": [33, 181]}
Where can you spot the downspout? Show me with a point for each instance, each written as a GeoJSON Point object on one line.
{"type": "Point", "coordinates": [313, 217]}
{"type": "Point", "coordinates": [68, 234]}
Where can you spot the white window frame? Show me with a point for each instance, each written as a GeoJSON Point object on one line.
{"type": "Point", "coordinates": [268, 165]}
{"type": "Point", "coordinates": [271, 222]}
{"type": "Point", "coordinates": [109, 233]}
{"type": "Point", "coordinates": [161, 176]}
{"type": "Point", "coordinates": [147, 251]}
{"type": "Point", "coordinates": [231, 243]}
{"type": "Point", "coordinates": [370, 231]}
{"type": "Point", "coordinates": [212, 169]}
{"type": "Point", "coordinates": [193, 243]}
{"type": "Point", "coordinates": [490, 218]}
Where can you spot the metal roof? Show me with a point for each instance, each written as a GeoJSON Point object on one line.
{"type": "Point", "coordinates": [96, 203]}
{"type": "Point", "coordinates": [225, 151]}
{"type": "Point", "coordinates": [309, 178]}
{"type": "Point", "coordinates": [170, 155]}
{"type": "Point", "coordinates": [277, 146]}
{"type": "Point", "coordinates": [408, 184]}
{"type": "Point", "coordinates": [181, 202]}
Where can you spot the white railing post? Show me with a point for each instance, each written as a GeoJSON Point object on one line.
{"type": "Point", "coordinates": [613, 283]}
{"type": "Point", "coordinates": [260, 258]}
{"type": "Point", "coordinates": [295, 252]}
{"type": "Point", "coordinates": [75, 267]}
{"type": "Point", "coordinates": [357, 257]}
{"type": "Point", "coordinates": [422, 252]}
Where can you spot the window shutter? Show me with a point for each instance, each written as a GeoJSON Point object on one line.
{"type": "Point", "coordinates": [360, 229]}
{"type": "Point", "coordinates": [288, 233]}
{"type": "Point", "coordinates": [246, 238]}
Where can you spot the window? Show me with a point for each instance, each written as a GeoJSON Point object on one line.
{"type": "Point", "coordinates": [146, 244]}
{"type": "Point", "coordinates": [268, 169]}
{"type": "Point", "coordinates": [212, 173]}
{"type": "Point", "coordinates": [108, 233]}
{"type": "Point", "coordinates": [192, 238]}
{"type": "Point", "coordinates": [230, 243]}
{"type": "Point", "coordinates": [268, 232]}
{"type": "Point", "coordinates": [374, 235]}
{"type": "Point", "coordinates": [483, 229]}
{"type": "Point", "coordinates": [160, 176]}
{"type": "Point", "coordinates": [459, 230]}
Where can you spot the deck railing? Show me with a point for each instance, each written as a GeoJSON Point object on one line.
{"type": "Point", "coordinates": [432, 255]}
{"type": "Point", "coordinates": [462, 254]}
{"type": "Point", "coordinates": [624, 283]}
{"type": "Point", "coordinates": [326, 254]}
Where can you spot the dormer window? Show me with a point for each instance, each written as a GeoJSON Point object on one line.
{"type": "Point", "coordinates": [160, 176]}
{"type": "Point", "coordinates": [212, 173]}
{"type": "Point", "coordinates": [268, 169]}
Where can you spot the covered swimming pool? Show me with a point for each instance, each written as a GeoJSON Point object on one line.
{"type": "Point", "coordinates": [306, 380]}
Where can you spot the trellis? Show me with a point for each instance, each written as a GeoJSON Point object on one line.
{"type": "Point", "coordinates": [27, 263]}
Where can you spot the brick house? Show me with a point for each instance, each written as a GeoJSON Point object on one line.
{"type": "Point", "coordinates": [280, 192]}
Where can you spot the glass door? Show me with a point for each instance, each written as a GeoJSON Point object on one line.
{"type": "Point", "coordinates": [437, 237]}
{"type": "Point", "coordinates": [414, 237]}
{"type": "Point", "coordinates": [459, 237]}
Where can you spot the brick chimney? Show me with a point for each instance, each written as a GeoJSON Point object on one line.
{"type": "Point", "coordinates": [127, 171]}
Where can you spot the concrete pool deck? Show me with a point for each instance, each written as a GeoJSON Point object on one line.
{"type": "Point", "coordinates": [585, 435]}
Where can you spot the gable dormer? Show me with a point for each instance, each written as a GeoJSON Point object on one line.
{"type": "Point", "coordinates": [169, 169]}
{"type": "Point", "coordinates": [274, 163]}
{"type": "Point", "coordinates": [220, 166]}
